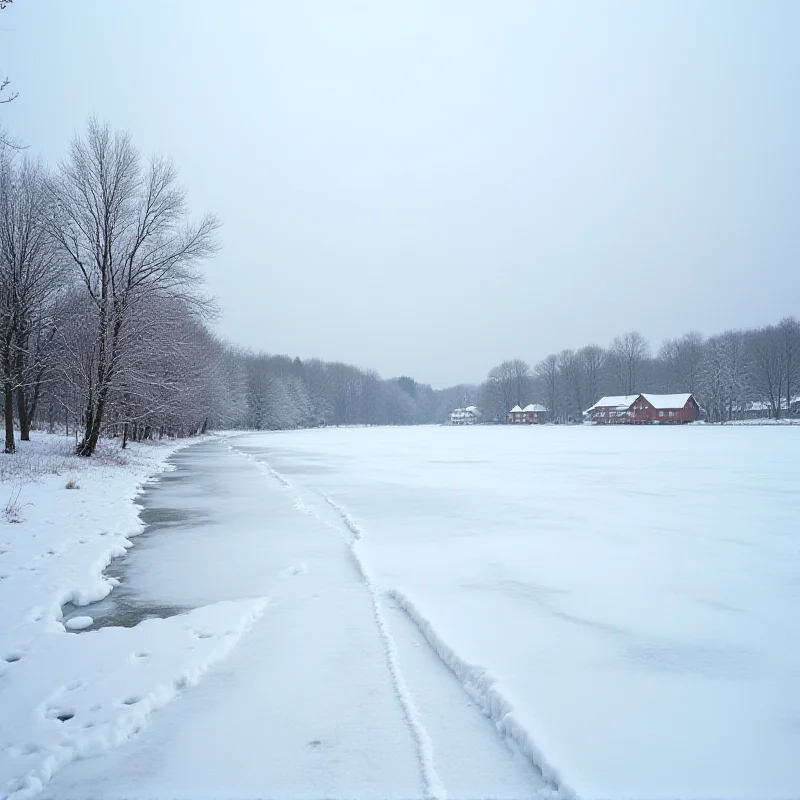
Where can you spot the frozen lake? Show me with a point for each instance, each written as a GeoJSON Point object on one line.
{"type": "Point", "coordinates": [622, 603]}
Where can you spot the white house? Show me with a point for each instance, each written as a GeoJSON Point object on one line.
{"type": "Point", "coordinates": [465, 416]}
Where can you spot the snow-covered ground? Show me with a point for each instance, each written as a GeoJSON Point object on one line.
{"type": "Point", "coordinates": [460, 612]}
{"type": "Point", "coordinates": [65, 696]}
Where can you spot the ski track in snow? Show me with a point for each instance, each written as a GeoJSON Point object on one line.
{"type": "Point", "coordinates": [478, 684]}
{"type": "Point", "coordinates": [434, 789]}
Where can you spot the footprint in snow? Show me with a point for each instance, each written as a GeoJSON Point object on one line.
{"type": "Point", "coordinates": [131, 701]}
{"type": "Point", "coordinates": [61, 714]}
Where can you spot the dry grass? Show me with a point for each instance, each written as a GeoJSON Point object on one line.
{"type": "Point", "coordinates": [13, 507]}
{"type": "Point", "coordinates": [53, 454]}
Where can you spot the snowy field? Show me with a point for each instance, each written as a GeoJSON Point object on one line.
{"type": "Point", "coordinates": [416, 612]}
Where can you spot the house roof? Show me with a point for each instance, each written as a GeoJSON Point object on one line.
{"type": "Point", "coordinates": [534, 407]}
{"type": "Point", "coordinates": [472, 409]}
{"type": "Point", "coordinates": [664, 401]}
{"type": "Point", "coordinates": [516, 410]}
{"type": "Point", "coordinates": [619, 402]}
{"type": "Point", "coordinates": [658, 401]}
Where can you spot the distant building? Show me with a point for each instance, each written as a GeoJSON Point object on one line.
{"type": "Point", "coordinates": [532, 414]}
{"type": "Point", "coordinates": [465, 416]}
{"type": "Point", "coordinates": [760, 409]}
{"type": "Point", "coordinates": [515, 415]}
{"type": "Point", "coordinates": [641, 409]}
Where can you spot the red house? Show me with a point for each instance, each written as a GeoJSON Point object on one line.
{"type": "Point", "coordinates": [641, 409]}
{"type": "Point", "coordinates": [532, 414]}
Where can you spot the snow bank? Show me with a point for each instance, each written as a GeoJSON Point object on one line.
{"type": "Point", "coordinates": [434, 788]}
{"type": "Point", "coordinates": [65, 695]}
{"type": "Point", "coordinates": [783, 421]}
{"type": "Point", "coordinates": [482, 688]}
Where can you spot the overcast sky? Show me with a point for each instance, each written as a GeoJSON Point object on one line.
{"type": "Point", "coordinates": [428, 188]}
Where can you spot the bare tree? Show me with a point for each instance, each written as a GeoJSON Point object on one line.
{"type": "Point", "coordinates": [789, 334]}
{"type": "Point", "coordinates": [30, 277]}
{"type": "Point", "coordinates": [592, 358]}
{"type": "Point", "coordinates": [125, 230]}
{"type": "Point", "coordinates": [767, 366]}
{"type": "Point", "coordinates": [683, 358]}
{"type": "Point", "coordinates": [571, 382]}
{"type": "Point", "coordinates": [509, 384]}
{"type": "Point", "coordinates": [724, 380]}
{"type": "Point", "coordinates": [630, 351]}
{"type": "Point", "coordinates": [547, 372]}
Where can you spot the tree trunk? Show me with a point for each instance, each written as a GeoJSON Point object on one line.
{"type": "Point", "coordinates": [9, 414]}
{"type": "Point", "coordinates": [37, 394]}
{"type": "Point", "coordinates": [94, 422]}
{"type": "Point", "coordinates": [124, 435]}
{"type": "Point", "coordinates": [22, 414]}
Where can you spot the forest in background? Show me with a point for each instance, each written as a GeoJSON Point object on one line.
{"type": "Point", "coordinates": [104, 326]}
{"type": "Point", "coordinates": [754, 372]}
{"type": "Point", "coordinates": [105, 330]}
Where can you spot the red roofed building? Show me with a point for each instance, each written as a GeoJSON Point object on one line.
{"type": "Point", "coordinates": [532, 414]}
{"type": "Point", "coordinates": [641, 409]}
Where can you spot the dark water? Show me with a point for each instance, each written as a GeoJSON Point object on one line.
{"type": "Point", "coordinates": [125, 607]}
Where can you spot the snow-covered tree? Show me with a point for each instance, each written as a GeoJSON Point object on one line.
{"type": "Point", "coordinates": [124, 228]}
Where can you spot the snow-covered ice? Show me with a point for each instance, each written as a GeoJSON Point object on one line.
{"type": "Point", "coordinates": [624, 601]}
{"type": "Point", "coordinates": [442, 612]}
{"type": "Point", "coordinates": [334, 692]}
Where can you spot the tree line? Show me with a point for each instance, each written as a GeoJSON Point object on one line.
{"type": "Point", "coordinates": [730, 374]}
{"type": "Point", "coordinates": [104, 327]}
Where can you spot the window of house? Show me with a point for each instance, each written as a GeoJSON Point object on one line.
{"type": "Point", "coordinates": [660, 413]}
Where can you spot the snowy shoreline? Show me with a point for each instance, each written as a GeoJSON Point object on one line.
{"type": "Point", "coordinates": [67, 694]}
